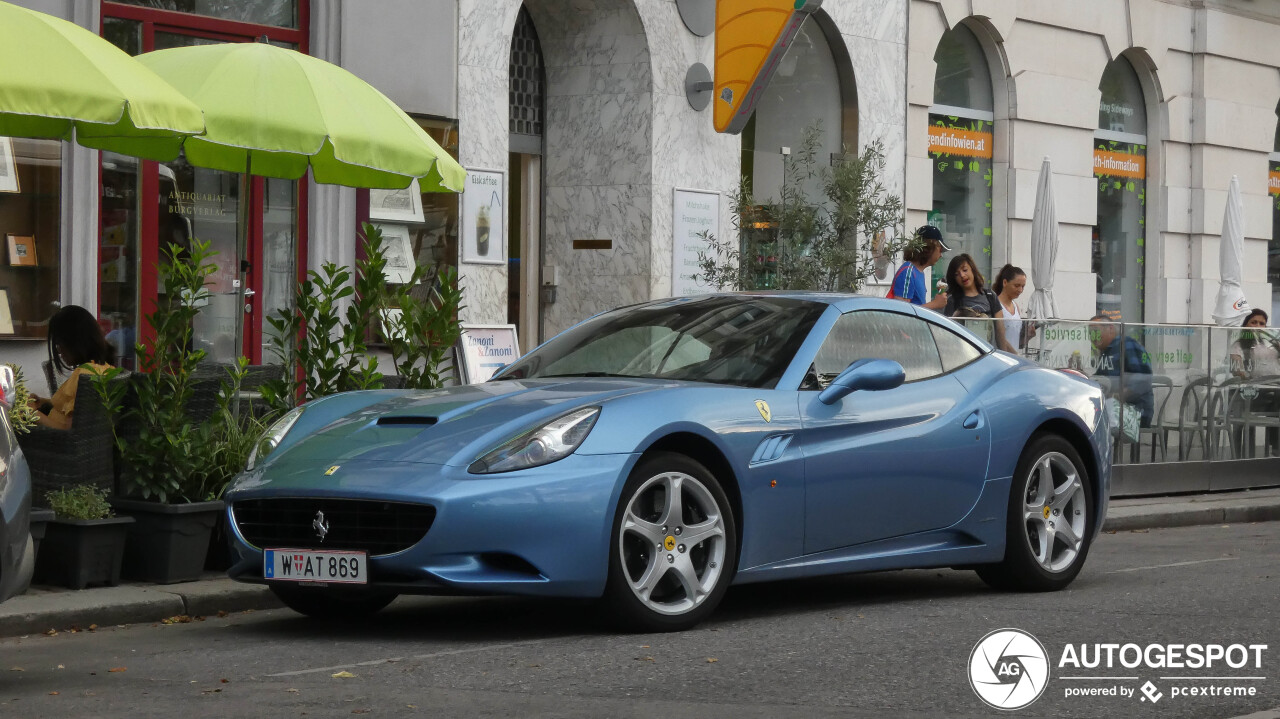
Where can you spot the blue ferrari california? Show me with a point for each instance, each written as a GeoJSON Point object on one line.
{"type": "Point", "coordinates": [656, 454]}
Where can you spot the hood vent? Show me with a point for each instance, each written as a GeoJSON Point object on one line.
{"type": "Point", "coordinates": [411, 420]}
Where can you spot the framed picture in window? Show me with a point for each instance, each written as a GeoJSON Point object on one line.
{"type": "Point", "coordinates": [484, 239]}
{"type": "Point", "coordinates": [22, 251]}
{"type": "Point", "coordinates": [397, 205]}
{"type": "Point", "coordinates": [8, 166]}
{"type": "Point", "coordinates": [397, 249]}
{"type": "Point", "coordinates": [6, 315]}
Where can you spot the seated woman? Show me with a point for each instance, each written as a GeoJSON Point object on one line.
{"type": "Point", "coordinates": [76, 343]}
{"type": "Point", "coordinates": [966, 290]}
{"type": "Point", "coordinates": [1257, 353]}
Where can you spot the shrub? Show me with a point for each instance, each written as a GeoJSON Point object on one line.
{"type": "Point", "coordinates": [80, 501]}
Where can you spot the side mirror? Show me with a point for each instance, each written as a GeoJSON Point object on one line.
{"type": "Point", "coordinates": [8, 386]}
{"type": "Point", "coordinates": [865, 374]}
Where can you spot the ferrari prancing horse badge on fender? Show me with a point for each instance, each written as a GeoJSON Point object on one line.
{"type": "Point", "coordinates": [763, 406]}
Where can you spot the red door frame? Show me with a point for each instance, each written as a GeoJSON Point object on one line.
{"type": "Point", "coordinates": [153, 20]}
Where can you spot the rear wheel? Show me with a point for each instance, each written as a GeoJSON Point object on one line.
{"type": "Point", "coordinates": [1050, 519]}
{"type": "Point", "coordinates": [674, 545]}
{"type": "Point", "coordinates": [329, 605]}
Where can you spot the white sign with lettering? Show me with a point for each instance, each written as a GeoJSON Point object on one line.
{"type": "Point", "coordinates": [485, 349]}
{"type": "Point", "coordinates": [694, 212]}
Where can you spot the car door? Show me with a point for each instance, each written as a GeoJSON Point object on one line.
{"type": "Point", "coordinates": [887, 463]}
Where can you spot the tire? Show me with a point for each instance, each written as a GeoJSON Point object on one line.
{"type": "Point", "coordinates": [331, 606]}
{"type": "Point", "coordinates": [659, 580]}
{"type": "Point", "coordinates": [1059, 517]}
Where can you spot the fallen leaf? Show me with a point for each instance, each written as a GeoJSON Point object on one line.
{"type": "Point", "coordinates": [17, 669]}
{"type": "Point", "coordinates": [712, 660]}
{"type": "Point", "coordinates": [179, 619]}
{"type": "Point", "coordinates": [61, 666]}
{"type": "Point", "coordinates": [225, 681]}
{"type": "Point", "coordinates": [644, 646]}
{"type": "Point", "coordinates": [51, 633]}
{"type": "Point", "coordinates": [53, 694]}
{"type": "Point", "coordinates": [343, 675]}
{"type": "Point", "coordinates": [221, 613]}
{"type": "Point", "coordinates": [118, 669]}
{"type": "Point", "coordinates": [644, 659]}
{"type": "Point", "coordinates": [92, 627]}
{"type": "Point", "coordinates": [292, 691]}
{"type": "Point", "coordinates": [535, 665]}
{"type": "Point", "coordinates": [412, 706]}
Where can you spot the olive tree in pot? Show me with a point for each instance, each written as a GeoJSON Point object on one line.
{"type": "Point", "coordinates": [171, 469]}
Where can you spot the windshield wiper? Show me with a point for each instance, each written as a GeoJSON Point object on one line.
{"type": "Point", "coordinates": [588, 374]}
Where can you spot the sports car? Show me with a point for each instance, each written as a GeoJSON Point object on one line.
{"type": "Point", "coordinates": [17, 549]}
{"type": "Point", "coordinates": [656, 454]}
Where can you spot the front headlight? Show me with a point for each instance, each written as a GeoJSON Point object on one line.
{"type": "Point", "coordinates": [554, 440]}
{"type": "Point", "coordinates": [272, 437]}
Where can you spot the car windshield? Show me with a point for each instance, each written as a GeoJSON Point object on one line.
{"type": "Point", "coordinates": [737, 340]}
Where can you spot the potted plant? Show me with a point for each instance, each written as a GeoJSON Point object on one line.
{"type": "Point", "coordinates": [21, 419]}
{"type": "Point", "coordinates": [84, 544]}
{"type": "Point", "coordinates": [170, 477]}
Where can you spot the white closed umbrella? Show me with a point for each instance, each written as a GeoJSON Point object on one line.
{"type": "Point", "coordinates": [1044, 247]}
{"type": "Point", "coordinates": [1231, 307]}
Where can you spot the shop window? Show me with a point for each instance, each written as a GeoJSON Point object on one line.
{"type": "Point", "coordinates": [277, 13]}
{"type": "Point", "coordinates": [806, 92]}
{"type": "Point", "coordinates": [30, 218]}
{"type": "Point", "coordinates": [961, 124]}
{"type": "Point", "coordinates": [1120, 168]}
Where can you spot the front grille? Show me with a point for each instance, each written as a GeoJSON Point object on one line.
{"type": "Point", "coordinates": [373, 526]}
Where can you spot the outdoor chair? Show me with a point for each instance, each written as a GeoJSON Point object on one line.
{"type": "Point", "coordinates": [1193, 418]}
{"type": "Point", "coordinates": [82, 454]}
{"type": "Point", "coordinates": [1254, 411]}
{"type": "Point", "coordinates": [1162, 388]}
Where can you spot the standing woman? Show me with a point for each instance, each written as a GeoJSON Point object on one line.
{"type": "Point", "coordinates": [76, 343]}
{"type": "Point", "coordinates": [1009, 284]}
{"type": "Point", "coordinates": [967, 289]}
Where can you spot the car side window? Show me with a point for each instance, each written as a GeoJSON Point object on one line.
{"type": "Point", "coordinates": [955, 350]}
{"type": "Point", "coordinates": [874, 334]}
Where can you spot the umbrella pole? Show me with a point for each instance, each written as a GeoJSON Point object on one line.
{"type": "Point", "coordinates": [242, 246]}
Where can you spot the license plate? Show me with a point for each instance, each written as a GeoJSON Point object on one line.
{"type": "Point", "coordinates": [304, 565]}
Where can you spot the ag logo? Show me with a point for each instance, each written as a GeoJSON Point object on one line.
{"type": "Point", "coordinates": [1008, 669]}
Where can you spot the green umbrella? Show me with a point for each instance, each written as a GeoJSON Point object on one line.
{"type": "Point", "coordinates": [275, 112]}
{"type": "Point", "coordinates": [56, 76]}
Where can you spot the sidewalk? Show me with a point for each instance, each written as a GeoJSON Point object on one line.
{"type": "Point", "coordinates": [44, 608]}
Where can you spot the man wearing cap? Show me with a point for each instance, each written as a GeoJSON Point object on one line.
{"type": "Point", "coordinates": [909, 283]}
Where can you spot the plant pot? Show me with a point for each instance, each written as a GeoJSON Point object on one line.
{"type": "Point", "coordinates": [168, 542]}
{"type": "Point", "coordinates": [40, 519]}
{"type": "Point", "coordinates": [79, 552]}
{"type": "Point", "coordinates": [219, 557]}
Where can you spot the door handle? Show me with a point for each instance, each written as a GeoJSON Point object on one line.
{"type": "Point", "coordinates": [974, 420]}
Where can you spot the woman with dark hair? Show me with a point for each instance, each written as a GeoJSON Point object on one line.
{"type": "Point", "coordinates": [967, 289]}
{"type": "Point", "coordinates": [1008, 286]}
{"type": "Point", "coordinates": [76, 343]}
{"type": "Point", "coordinates": [1256, 356]}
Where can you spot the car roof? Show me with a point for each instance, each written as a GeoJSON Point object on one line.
{"type": "Point", "coordinates": [843, 301]}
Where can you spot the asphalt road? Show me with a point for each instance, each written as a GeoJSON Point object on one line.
{"type": "Point", "coordinates": [877, 645]}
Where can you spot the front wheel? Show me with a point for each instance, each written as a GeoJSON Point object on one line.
{"type": "Point", "coordinates": [1050, 519]}
{"type": "Point", "coordinates": [329, 605]}
{"type": "Point", "coordinates": [674, 545]}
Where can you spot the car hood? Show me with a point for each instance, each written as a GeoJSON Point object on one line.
{"type": "Point", "coordinates": [453, 426]}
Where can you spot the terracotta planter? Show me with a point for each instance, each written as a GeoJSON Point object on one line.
{"type": "Point", "coordinates": [76, 553]}
{"type": "Point", "coordinates": [168, 543]}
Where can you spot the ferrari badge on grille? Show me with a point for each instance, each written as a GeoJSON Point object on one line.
{"type": "Point", "coordinates": [321, 526]}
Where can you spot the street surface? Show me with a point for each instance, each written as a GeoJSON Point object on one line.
{"type": "Point", "coordinates": [877, 645]}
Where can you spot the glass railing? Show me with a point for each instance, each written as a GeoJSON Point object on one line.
{"type": "Point", "coordinates": [1198, 392]}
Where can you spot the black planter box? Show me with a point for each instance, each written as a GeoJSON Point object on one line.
{"type": "Point", "coordinates": [40, 519]}
{"type": "Point", "coordinates": [76, 553]}
{"type": "Point", "coordinates": [168, 543]}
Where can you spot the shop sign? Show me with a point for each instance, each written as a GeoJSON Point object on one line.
{"type": "Point", "coordinates": [1273, 182]}
{"type": "Point", "coordinates": [1119, 164]}
{"type": "Point", "coordinates": [954, 141]}
{"type": "Point", "coordinates": [696, 216]}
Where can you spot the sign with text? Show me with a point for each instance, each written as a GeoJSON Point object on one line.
{"type": "Point", "coordinates": [485, 349]}
{"type": "Point", "coordinates": [953, 141]}
{"type": "Point", "coordinates": [1273, 182]}
{"type": "Point", "coordinates": [1119, 164]}
{"type": "Point", "coordinates": [484, 237]}
{"type": "Point", "coordinates": [694, 212]}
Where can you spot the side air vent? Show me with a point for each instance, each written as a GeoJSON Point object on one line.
{"type": "Point", "coordinates": [771, 448]}
{"type": "Point", "coordinates": [407, 419]}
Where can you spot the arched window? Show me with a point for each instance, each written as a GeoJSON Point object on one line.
{"type": "Point", "coordinates": [1120, 166]}
{"type": "Point", "coordinates": [960, 145]}
{"type": "Point", "coordinates": [1273, 247]}
{"type": "Point", "coordinates": [805, 92]}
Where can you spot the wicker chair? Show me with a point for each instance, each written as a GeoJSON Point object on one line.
{"type": "Point", "coordinates": [82, 454]}
{"type": "Point", "coordinates": [206, 383]}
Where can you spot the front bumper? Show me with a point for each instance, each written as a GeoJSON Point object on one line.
{"type": "Point", "coordinates": [543, 531]}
